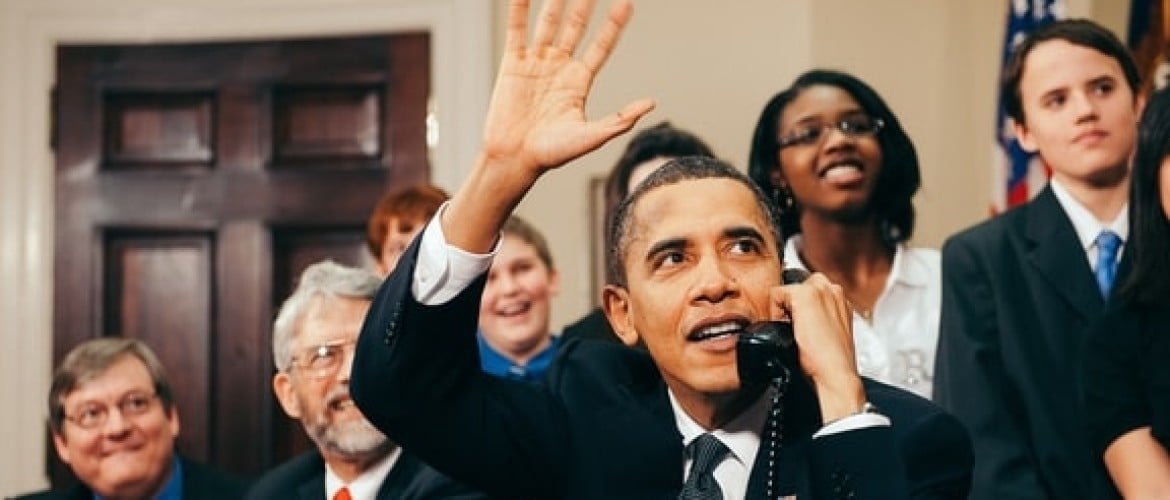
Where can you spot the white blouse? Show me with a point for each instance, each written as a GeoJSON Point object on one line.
{"type": "Point", "coordinates": [897, 346]}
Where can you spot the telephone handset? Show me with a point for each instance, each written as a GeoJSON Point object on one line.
{"type": "Point", "coordinates": [766, 351]}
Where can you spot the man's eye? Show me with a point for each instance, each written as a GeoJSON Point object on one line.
{"type": "Point", "coordinates": [1103, 88]}
{"type": "Point", "coordinates": [746, 246]}
{"type": "Point", "coordinates": [669, 259]}
{"type": "Point", "coordinates": [136, 403]}
{"type": "Point", "coordinates": [1054, 102]}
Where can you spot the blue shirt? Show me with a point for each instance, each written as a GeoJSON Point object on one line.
{"type": "Point", "coordinates": [172, 489]}
{"type": "Point", "coordinates": [494, 363]}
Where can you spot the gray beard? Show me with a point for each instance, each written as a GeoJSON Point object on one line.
{"type": "Point", "coordinates": [353, 440]}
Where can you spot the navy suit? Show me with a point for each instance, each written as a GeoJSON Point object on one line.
{"type": "Point", "coordinates": [603, 426]}
{"type": "Point", "coordinates": [1018, 296]}
{"type": "Point", "coordinates": [303, 478]}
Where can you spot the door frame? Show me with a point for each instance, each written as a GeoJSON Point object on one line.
{"type": "Point", "coordinates": [462, 37]}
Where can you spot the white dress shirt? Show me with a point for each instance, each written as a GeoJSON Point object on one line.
{"type": "Point", "coordinates": [1087, 226]}
{"type": "Point", "coordinates": [366, 485]}
{"type": "Point", "coordinates": [898, 343]}
{"type": "Point", "coordinates": [443, 271]}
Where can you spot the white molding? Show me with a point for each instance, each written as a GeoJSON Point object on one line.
{"type": "Point", "coordinates": [461, 38]}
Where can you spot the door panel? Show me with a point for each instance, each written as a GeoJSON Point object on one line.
{"type": "Point", "coordinates": [195, 182]}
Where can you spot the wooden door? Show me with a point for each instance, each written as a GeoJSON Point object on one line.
{"type": "Point", "coordinates": [195, 182]}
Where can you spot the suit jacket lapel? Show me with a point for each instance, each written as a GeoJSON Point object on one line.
{"type": "Point", "coordinates": [1056, 253]}
{"type": "Point", "coordinates": [313, 489]}
{"type": "Point", "coordinates": [404, 471]}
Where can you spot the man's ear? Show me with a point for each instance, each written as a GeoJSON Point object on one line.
{"type": "Point", "coordinates": [1024, 136]}
{"type": "Point", "coordinates": [616, 302]}
{"type": "Point", "coordinates": [62, 447]}
{"type": "Point", "coordinates": [554, 282]}
{"type": "Point", "coordinates": [283, 387]}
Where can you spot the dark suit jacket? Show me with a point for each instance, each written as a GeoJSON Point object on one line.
{"type": "Point", "coordinates": [409, 479]}
{"type": "Point", "coordinates": [602, 427]}
{"type": "Point", "coordinates": [590, 326]}
{"type": "Point", "coordinates": [199, 483]}
{"type": "Point", "coordinates": [1018, 295]}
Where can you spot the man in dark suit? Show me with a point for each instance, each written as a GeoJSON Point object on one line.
{"type": "Point", "coordinates": [114, 422]}
{"type": "Point", "coordinates": [312, 344]}
{"type": "Point", "coordinates": [697, 260]}
{"type": "Point", "coordinates": [1020, 289]}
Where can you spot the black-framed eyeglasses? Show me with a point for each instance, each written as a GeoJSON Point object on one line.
{"type": "Point", "coordinates": [93, 414]}
{"type": "Point", "coordinates": [323, 361]}
{"type": "Point", "coordinates": [811, 133]}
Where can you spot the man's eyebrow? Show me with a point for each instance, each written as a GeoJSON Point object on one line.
{"type": "Point", "coordinates": [664, 245]}
{"type": "Point", "coordinates": [743, 232]}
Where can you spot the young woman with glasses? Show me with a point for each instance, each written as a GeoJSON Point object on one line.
{"type": "Point", "coordinates": [843, 173]}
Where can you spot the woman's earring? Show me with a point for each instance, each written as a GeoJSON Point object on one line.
{"type": "Point", "coordinates": [783, 197]}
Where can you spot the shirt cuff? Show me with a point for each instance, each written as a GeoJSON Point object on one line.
{"type": "Point", "coordinates": [442, 270]}
{"type": "Point", "coordinates": [852, 423]}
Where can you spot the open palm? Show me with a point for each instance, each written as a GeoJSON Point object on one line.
{"type": "Point", "coordinates": [537, 120]}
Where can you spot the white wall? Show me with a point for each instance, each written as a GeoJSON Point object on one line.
{"type": "Point", "coordinates": [710, 65]}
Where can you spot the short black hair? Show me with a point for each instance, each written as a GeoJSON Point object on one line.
{"type": "Point", "coordinates": [893, 196]}
{"type": "Point", "coordinates": [675, 171]}
{"type": "Point", "coordinates": [1082, 32]}
{"type": "Point", "coordinates": [1148, 282]}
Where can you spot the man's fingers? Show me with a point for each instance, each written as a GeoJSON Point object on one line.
{"type": "Point", "coordinates": [548, 24]}
{"type": "Point", "coordinates": [516, 37]}
{"type": "Point", "coordinates": [622, 121]}
{"type": "Point", "coordinates": [607, 35]}
{"type": "Point", "coordinates": [576, 22]}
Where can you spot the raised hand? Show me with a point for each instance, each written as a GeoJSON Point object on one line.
{"type": "Point", "coordinates": [536, 120]}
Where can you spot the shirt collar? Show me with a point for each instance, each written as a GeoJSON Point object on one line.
{"type": "Point", "coordinates": [497, 364]}
{"type": "Point", "coordinates": [741, 435]}
{"type": "Point", "coordinates": [1086, 225]}
{"type": "Point", "coordinates": [173, 488]}
{"type": "Point", "coordinates": [904, 270]}
{"type": "Point", "coordinates": [367, 484]}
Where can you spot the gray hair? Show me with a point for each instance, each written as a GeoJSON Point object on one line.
{"type": "Point", "coordinates": [326, 279]}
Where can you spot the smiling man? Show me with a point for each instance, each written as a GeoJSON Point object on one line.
{"type": "Point", "coordinates": [114, 422]}
{"type": "Point", "coordinates": [312, 343]}
{"type": "Point", "coordinates": [696, 261]}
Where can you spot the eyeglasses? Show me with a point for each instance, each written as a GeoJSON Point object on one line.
{"type": "Point", "coordinates": [324, 360]}
{"type": "Point", "coordinates": [812, 133]}
{"type": "Point", "coordinates": [93, 415]}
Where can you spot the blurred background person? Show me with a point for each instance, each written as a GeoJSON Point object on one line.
{"type": "Point", "coordinates": [843, 173]}
{"type": "Point", "coordinates": [114, 422]}
{"type": "Point", "coordinates": [312, 343]}
{"type": "Point", "coordinates": [515, 341]}
{"type": "Point", "coordinates": [396, 219]}
{"type": "Point", "coordinates": [647, 150]}
{"type": "Point", "coordinates": [1127, 376]}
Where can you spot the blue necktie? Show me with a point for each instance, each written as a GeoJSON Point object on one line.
{"type": "Point", "coordinates": [706, 452]}
{"type": "Point", "coordinates": [1107, 245]}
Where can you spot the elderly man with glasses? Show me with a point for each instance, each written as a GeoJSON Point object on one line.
{"type": "Point", "coordinates": [114, 422]}
{"type": "Point", "coordinates": [312, 341]}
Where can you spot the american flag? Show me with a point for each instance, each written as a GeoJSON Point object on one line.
{"type": "Point", "coordinates": [1017, 176]}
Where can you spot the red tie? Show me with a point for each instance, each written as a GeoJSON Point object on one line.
{"type": "Point", "coordinates": [342, 494]}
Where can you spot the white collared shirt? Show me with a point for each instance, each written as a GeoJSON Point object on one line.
{"type": "Point", "coordinates": [366, 485]}
{"type": "Point", "coordinates": [1087, 226]}
{"type": "Point", "coordinates": [897, 346]}
{"type": "Point", "coordinates": [443, 271]}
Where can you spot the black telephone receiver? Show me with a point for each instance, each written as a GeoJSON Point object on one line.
{"type": "Point", "coordinates": [766, 350]}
